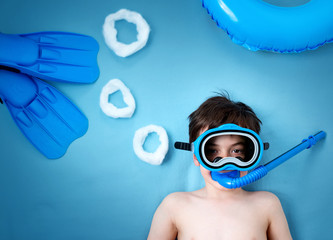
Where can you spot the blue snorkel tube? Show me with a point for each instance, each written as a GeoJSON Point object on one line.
{"type": "Point", "coordinates": [232, 180]}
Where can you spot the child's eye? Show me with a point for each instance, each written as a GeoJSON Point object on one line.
{"type": "Point", "coordinates": [211, 151]}
{"type": "Point", "coordinates": [237, 152]}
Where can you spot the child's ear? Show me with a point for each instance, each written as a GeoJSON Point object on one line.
{"type": "Point", "coordinates": [195, 160]}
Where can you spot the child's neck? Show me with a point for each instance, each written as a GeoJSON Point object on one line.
{"type": "Point", "coordinates": [212, 192]}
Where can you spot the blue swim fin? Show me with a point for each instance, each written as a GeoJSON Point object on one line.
{"type": "Point", "coordinates": [46, 117]}
{"type": "Point", "coordinates": [55, 56]}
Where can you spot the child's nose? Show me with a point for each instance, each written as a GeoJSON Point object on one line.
{"type": "Point", "coordinates": [224, 153]}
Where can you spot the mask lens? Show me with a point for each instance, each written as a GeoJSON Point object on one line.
{"type": "Point", "coordinates": [220, 148]}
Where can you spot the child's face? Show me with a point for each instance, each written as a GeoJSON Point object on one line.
{"type": "Point", "coordinates": [222, 146]}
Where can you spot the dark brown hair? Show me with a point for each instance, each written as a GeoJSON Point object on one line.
{"type": "Point", "coordinates": [219, 110]}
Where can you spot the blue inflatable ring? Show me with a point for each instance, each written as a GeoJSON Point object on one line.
{"type": "Point", "coordinates": [258, 25]}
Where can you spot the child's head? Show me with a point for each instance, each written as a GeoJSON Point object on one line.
{"type": "Point", "coordinates": [220, 110]}
{"type": "Point", "coordinates": [215, 112]}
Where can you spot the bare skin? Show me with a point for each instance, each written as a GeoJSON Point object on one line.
{"type": "Point", "coordinates": [215, 212]}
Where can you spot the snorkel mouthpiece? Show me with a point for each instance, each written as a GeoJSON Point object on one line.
{"type": "Point", "coordinates": [233, 180]}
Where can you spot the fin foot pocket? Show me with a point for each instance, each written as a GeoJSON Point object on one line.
{"type": "Point", "coordinates": [49, 120]}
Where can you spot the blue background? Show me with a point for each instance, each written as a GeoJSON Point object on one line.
{"type": "Point", "coordinates": [100, 189]}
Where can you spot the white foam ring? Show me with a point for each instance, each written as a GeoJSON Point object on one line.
{"type": "Point", "coordinates": [157, 157]}
{"type": "Point", "coordinates": [110, 32]}
{"type": "Point", "coordinates": [108, 108]}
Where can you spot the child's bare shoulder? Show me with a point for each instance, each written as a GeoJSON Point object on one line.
{"type": "Point", "coordinates": [179, 198]}
{"type": "Point", "coordinates": [265, 199]}
{"type": "Point", "coordinates": [265, 196]}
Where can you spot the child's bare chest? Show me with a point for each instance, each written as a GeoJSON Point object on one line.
{"type": "Point", "coordinates": [221, 222]}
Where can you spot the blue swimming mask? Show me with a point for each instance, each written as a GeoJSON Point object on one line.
{"type": "Point", "coordinates": [227, 147]}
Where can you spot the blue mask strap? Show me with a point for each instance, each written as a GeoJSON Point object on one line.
{"type": "Point", "coordinates": [183, 146]}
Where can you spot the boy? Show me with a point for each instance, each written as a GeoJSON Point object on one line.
{"type": "Point", "coordinates": [215, 212]}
